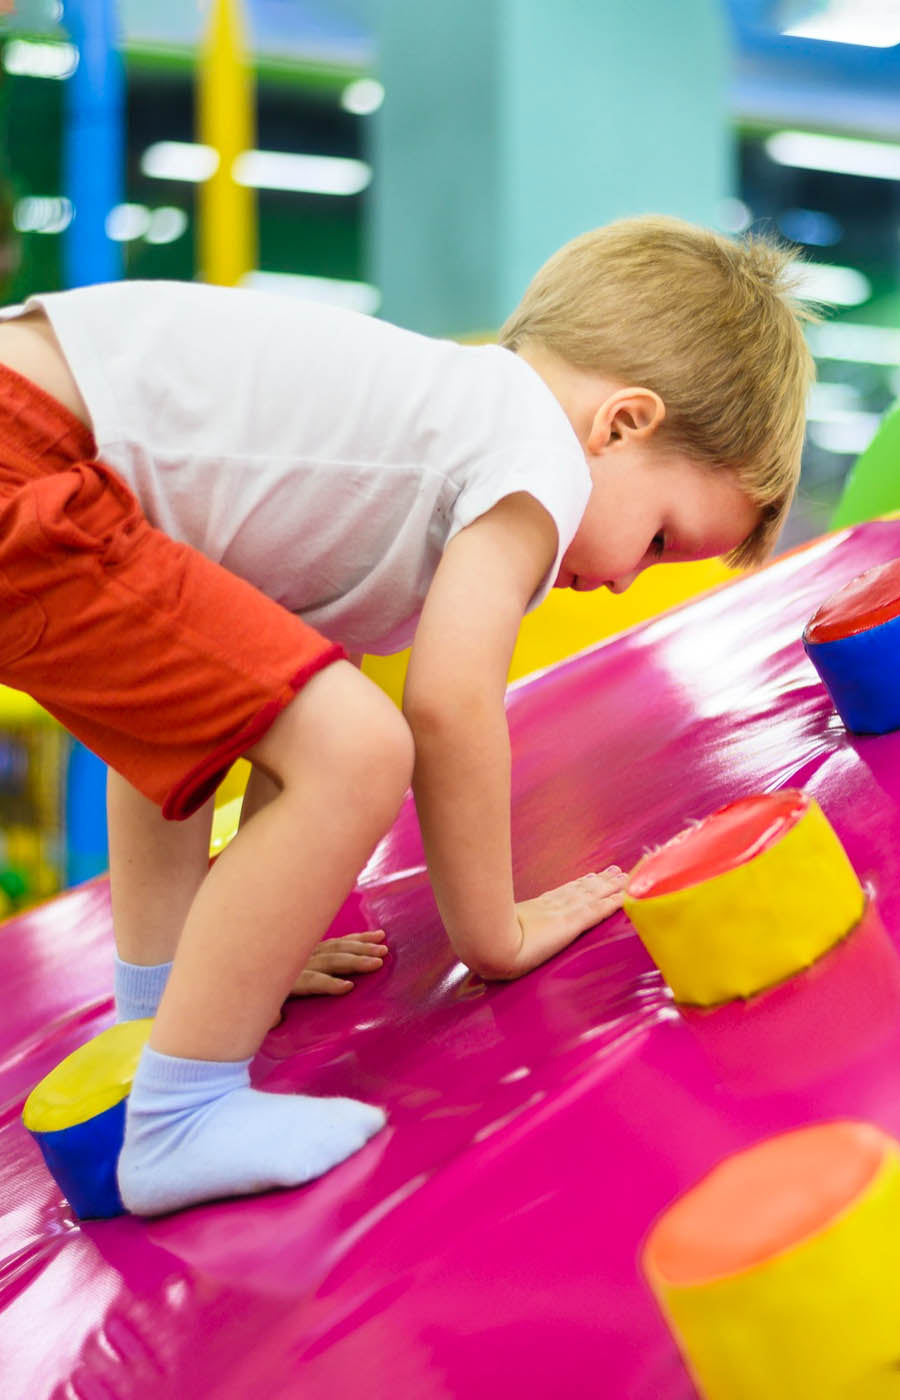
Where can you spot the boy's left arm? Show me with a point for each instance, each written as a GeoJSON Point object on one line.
{"type": "Point", "coordinates": [454, 702]}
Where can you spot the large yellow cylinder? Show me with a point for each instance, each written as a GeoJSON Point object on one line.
{"type": "Point", "coordinates": [778, 1272]}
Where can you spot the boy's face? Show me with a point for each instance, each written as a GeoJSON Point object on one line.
{"type": "Point", "coordinates": [650, 506]}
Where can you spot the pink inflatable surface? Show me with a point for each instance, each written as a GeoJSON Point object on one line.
{"type": "Point", "coordinates": [487, 1243]}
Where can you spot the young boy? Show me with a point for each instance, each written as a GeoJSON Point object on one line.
{"type": "Point", "coordinates": [207, 495]}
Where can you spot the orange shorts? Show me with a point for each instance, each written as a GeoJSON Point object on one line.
{"type": "Point", "coordinates": [160, 661]}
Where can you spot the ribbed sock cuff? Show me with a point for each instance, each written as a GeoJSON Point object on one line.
{"type": "Point", "coordinates": [139, 989]}
{"type": "Point", "coordinates": [158, 1072]}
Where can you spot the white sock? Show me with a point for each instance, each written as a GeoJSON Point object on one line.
{"type": "Point", "coordinates": [139, 989]}
{"type": "Point", "coordinates": [196, 1131]}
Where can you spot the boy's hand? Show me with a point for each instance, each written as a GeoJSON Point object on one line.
{"type": "Point", "coordinates": [554, 919]}
{"type": "Point", "coordinates": [326, 973]}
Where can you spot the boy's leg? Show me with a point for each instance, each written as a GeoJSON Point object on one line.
{"type": "Point", "coordinates": [156, 868]}
{"type": "Point", "coordinates": [168, 667]}
{"type": "Point", "coordinates": [341, 754]}
{"type": "Point", "coordinates": [260, 790]}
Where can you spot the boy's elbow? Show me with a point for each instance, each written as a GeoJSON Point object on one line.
{"type": "Point", "coordinates": [429, 715]}
{"type": "Point", "coordinates": [494, 966]}
{"type": "Point", "coordinates": [494, 972]}
{"type": "Point", "coordinates": [451, 709]}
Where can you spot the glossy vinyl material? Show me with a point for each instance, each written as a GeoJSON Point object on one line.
{"type": "Point", "coordinates": [487, 1243]}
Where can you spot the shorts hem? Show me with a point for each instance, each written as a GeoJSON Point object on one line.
{"type": "Point", "coordinates": [188, 795]}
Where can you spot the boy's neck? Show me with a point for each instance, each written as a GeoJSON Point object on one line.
{"type": "Point", "coordinates": [580, 392]}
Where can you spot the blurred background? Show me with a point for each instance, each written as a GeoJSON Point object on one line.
{"type": "Point", "coordinates": [419, 161]}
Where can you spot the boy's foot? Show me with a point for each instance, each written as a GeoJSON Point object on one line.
{"type": "Point", "coordinates": [196, 1131]}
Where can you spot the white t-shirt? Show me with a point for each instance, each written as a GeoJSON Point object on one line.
{"type": "Point", "coordinates": [324, 456]}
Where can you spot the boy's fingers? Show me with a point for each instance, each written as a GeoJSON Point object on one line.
{"type": "Point", "coordinates": [311, 983]}
{"type": "Point", "coordinates": [600, 893]}
{"type": "Point", "coordinates": [371, 944]}
{"type": "Point", "coordinates": [602, 885]}
{"type": "Point", "coordinates": [360, 948]}
{"type": "Point", "coordinates": [369, 935]}
{"type": "Point", "coordinates": [344, 961]}
{"type": "Point", "coordinates": [610, 892]}
{"type": "Point", "coordinates": [612, 875]}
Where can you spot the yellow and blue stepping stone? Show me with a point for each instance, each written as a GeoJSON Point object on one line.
{"type": "Point", "coordinates": [76, 1115]}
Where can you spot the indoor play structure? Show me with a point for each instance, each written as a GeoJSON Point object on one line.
{"type": "Point", "coordinates": [662, 1166]}
{"type": "Point", "coordinates": [509, 1232]}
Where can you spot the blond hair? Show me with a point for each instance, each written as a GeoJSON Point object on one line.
{"type": "Point", "coordinates": [711, 324]}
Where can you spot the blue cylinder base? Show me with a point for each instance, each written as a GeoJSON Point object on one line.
{"type": "Point", "coordinates": [862, 675]}
{"type": "Point", "coordinates": [83, 1160]}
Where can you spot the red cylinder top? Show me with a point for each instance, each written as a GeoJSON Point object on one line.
{"type": "Point", "coordinates": [727, 838]}
{"type": "Point", "coordinates": [768, 1199]}
{"type": "Point", "coordinates": [864, 602]}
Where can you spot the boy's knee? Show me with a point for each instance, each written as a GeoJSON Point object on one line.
{"type": "Point", "coordinates": [368, 748]}
{"type": "Point", "coordinates": [381, 748]}
{"type": "Point", "coordinates": [342, 724]}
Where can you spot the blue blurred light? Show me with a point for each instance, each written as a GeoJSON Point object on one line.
{"type": "Point", "coordinates": [811, 226]}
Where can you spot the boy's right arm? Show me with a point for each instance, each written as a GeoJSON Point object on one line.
{"type": "Point", "coordinates": [454, 702]}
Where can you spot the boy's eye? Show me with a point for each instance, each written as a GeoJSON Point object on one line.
{"type": "Point", "coordinates": [658, 544]}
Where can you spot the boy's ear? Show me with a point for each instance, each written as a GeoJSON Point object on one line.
{"type": "Point", "coordinates": [633, 413]}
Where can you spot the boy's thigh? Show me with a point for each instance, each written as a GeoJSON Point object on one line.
{"type": "Point", "coordinates": [158, 659]}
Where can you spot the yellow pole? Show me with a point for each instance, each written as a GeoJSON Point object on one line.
{"type": "Point", "coordinates": [226, 211]}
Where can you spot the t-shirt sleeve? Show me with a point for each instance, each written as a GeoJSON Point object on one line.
{"type": "Point", "coordinates": [558, 481]}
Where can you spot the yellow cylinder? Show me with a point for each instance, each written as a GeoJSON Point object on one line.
{"type": "Point", "coordinates": [778, 1272]}
{"type": "Point", "coordinates": [753, 924]}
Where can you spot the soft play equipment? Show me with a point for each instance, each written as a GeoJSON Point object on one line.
{"type": "Point", "coordinates": [93, 141]}
{"type": "Point", "coordinates": [36, 792]}
{"type": "Point", "coordinates": [853, 640]}
{"type": "Point", "coordinates": [77, 1117]}
{"type": "Point", "coordinates": [777, 1272]}
{"type": "Point", "coordinates": [872, 487]}
{"type": "Point", "coordinates": [744, 898]}
{"type": "Point", "coordinates": [493, 1240]}
{"type": "Point", "coordinates": [227, 222]}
